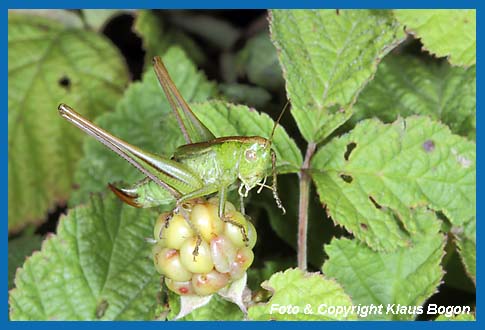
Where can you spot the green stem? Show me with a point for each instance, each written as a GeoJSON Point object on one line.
{"type": "Point", "coordinates": [305, 181]}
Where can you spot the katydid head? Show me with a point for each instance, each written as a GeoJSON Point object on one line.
{"type": "Point", "coordinates": [258, 156]}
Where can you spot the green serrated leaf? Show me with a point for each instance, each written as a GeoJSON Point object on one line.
{"type": "Point", "coordinates": [18, 250]}
{"type": "Point", "coordinates": [404, 86]}
{"type": "Point", "coordinates": [444, 32]}
{"type": "Point", "coordinates": [250, 95]}
{"type": "Point", "coordinates": [218, 309]}
{"type": "Point", "coordinates": [327, 57]}
{"type": "Point", "coordinates": [455, 274]}
{"type": "Point", "coordinates": [98, 18]}
{"type": "Point", "coordinates": [257, 275]}
{"type": "Point", "coordinates": [226, 119]}
{"type": "Point", "coordinates": [150, 29]}
{"type": "Point", "coordinates": [467, 245]}
{"type": "Point", "coordinates": [308, 294]}
{"type": "Point", "coordinates": [259, 61]}
{"type": "Point", "coordinates": [98, 265]}
{"type": "Point", "coordinates": [143, 118]}
{"type": "Point", "coordinates": [400, 281]}
{"type": "Point", "coordinates": [213, 30]}
{"type": "Point", "coordinates": [157, 38]}
{"type": "Point", "coordinates": [320, 227]}
{"type": "Point", "coordinates": [68, 18]}
{"type": "Point", "coordinates": [49, 63]}
{"type": "Point", "coordinates": [368, 179]}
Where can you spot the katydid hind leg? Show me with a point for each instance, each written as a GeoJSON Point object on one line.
{"type": "Point", "coordinates": [127, 196]}
{"type": "Point", "coordinates": [167, 173]}
{"type": "Point", "coordinates": [143, 194]}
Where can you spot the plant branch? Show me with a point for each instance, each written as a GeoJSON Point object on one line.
{"type": "Point", "coordinates": [305, 182]}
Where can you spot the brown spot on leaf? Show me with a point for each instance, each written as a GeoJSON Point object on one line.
{"type": "Point", "coordinates": [65, 82]}
{"type": "Point", "coordinates": [101, 308]}
{"type": "Point", "coordinates": [346, 178]}
{"type": "Point", "coordinates": [376, 205]}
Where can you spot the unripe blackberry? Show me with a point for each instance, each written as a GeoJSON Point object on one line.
{"type": "Point", "coordinates": [223, 253]}
{"type": "Point", "coordinates": [200, 253]}
{"type": "Point", "coordinates": [244, 259]}
{"type": "Point", "coordinates": [195, 255]}
{"type": "Point", "coordinates": [241, 232]}
{"type": "Point", "coordinates": [161, 222]}
{"type": "Point", "coordinates": [172, 231]}
{"type": "Point", "coordinates": [167, 262]}
{"type": "Point", "coordinates": [205, 284]}
{"type": "Point", "coordinates": [182, 288]}
{"type": "Point", "coordinates": [205, 221]}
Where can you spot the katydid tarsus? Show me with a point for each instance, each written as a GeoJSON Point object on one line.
{"type": "Point", "coordinates": [204, 166]}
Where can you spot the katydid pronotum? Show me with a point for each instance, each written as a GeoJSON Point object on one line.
{"type": "Point", "coordinates": [204, 166]}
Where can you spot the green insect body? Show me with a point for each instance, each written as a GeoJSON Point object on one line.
{"type": "Point", "coordinates": [204, 166]}
{"type": "Point", "coordinates": [218, 163]}
{"type": "Point", "coordinates": [221, 162]}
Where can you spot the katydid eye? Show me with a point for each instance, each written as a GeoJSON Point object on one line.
{"type": "Point", "coordinates": [251, 155]}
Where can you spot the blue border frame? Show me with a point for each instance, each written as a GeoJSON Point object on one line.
{"type": "Point", "coordinates": [249, 4]}
{"type": "Point", "coordinates": [239, 4]}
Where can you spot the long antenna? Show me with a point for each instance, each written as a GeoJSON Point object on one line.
{"type": "Point", "coordinates": [278, 121]}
